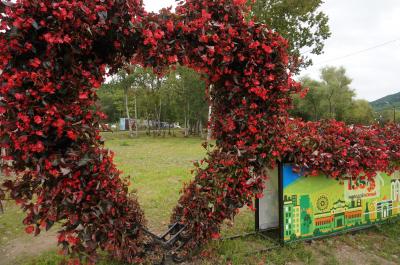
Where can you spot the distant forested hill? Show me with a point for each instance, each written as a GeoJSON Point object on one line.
{"type": "Point", "coordinates": [383, 103]}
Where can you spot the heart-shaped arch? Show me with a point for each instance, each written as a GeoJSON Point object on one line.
{"type": "Point", "coordinates": [55, 53]}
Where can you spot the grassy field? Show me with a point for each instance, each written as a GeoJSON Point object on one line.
{"type": "Point", "coordinates": [158, 168]}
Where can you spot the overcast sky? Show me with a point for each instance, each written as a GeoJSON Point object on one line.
{"type": "Point", "coordinates": [356, 25]}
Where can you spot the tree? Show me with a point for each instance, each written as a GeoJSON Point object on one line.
{"type": "Point", "coordinates": [332, 98]}
{"type": "Point", "coordinates": [191, 108]}
{"type": "Point", "coordinates": [109, 101]}
{"type": "Point", "coordinates": [177, 97]}
{"type": "Point", "coordinates": [311, 106]}
{"type": "Point", "coordinates": [126, 81]}
{"type": "Point", "coordinates": [338, 93]}
{"type": "Point", "coordinates": [360, 112]}
{"type": "Point", "coordinates": [299, 21]}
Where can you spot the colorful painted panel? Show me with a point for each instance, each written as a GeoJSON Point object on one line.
{"type": "Point", "coordinates": [319, 206]}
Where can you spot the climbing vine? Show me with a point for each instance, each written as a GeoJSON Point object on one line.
{"type": "Point", "coordinates": [54, 55]}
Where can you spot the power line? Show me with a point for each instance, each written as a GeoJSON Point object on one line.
{"type": "Point", "coordinates": [357, 52]}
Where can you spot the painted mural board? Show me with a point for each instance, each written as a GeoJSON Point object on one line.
{"type": "Point", "coordinates": [268, 206]}
{"type": "Point", "coordinates": [320, 206]}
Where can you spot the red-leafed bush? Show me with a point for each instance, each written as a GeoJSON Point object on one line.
{"type": "Point", "coordinates": [53, 56]}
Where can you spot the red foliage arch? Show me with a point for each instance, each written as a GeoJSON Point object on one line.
{"type": "Point", "coordinates": [54, 55]}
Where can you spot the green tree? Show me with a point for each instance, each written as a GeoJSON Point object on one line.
{"type": "Point", "coordinates": [109, 101]}
{"type": "Point", "coordinates": [387, 115]}
{"type": "Point", "coordinates": [191, 108]}
{"type": "Point", "coordinates": [311, 106]}
{"type": "Point", "coordinates": [338, 93]}
{"type": "Point", "coordinates": [360, 112]}
{"type": "Point", "coordinates": [332, 98]}
{"type": "Point", "coordinates": [177, 97]}
{"type": "Point", "coordinates": [301, 22]}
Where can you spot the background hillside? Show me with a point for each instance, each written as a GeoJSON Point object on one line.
{"type": "Point", "coordinates": [383, 103]}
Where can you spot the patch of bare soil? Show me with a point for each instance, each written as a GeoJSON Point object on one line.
{"type": "Point", "coordinates": [339, 252]}
{"type": "Point", "coordinates": [346, 254]}
{"type": "Point", "coordinates": [26, 246]}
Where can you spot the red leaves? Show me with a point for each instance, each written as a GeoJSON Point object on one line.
{"type": "Point", "coordinates": [229, 125]}
{"type": "Point", "coordinates": [215, 236]}
{"type": "Point", "coordinates": [172, 59]}
{"type": "Point", "coordinates": [38, 147]}
{"type": "Point", "coordinates": [149, 38]}
{"type": "Point", "coordinates": [205, 15]}
{"type": "Point", "coordinates": [48, 88]}
{"type": "Point", "coordinates": [259, 91]}
{"type": "Point", "coordinates": [239, 2]}
{"type": "Point", "coordinates": [57, 38]}
{"type": "Point", "coordinates": [83, 95]}
{"type": "Point", "coordinates": [37, 119]}
{"type": "Point", "coordinates": [85, 9]}
{"type": "Point", "coordinates": [24, 118]}
{"type": "Point", "coordinates": [170, 26]}
{"type": "Point", "coordinates": [35, 63]}
{"type": "Point", "coordinates": [29, 229]}
{"type": "Point", "coordinates": [254, 45]}
{"type": "Point", "coordinates": [19, 96]}
{"type": "Point", "coordinates": [253, 129]}
{"type": "Point", "coordinates": [267, 49]}
{"type": "Point", "coordinates": [158, 34]}
{"type": "Point", "coordinates": [72, 135]}
{"type": "Point", "coordinates": [73, 241]}
{"type": "Point", "coordinates": [215, 38]}
{"type": "Point", "coordinates": [204, 38]}
{"type": "Point", "coordinates": [59, 123]}
{"type": "Point", "coordinates": [117, 44]}
{"type": "Point", "coordinates": [49, 38]}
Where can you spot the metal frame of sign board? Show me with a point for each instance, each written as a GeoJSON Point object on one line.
{"type": "Point", "coordinates": [277, 228]}
{"type": "Point", "coordinates": [280, 229]}
{"type": "Point", "coordinates": [280, 191]}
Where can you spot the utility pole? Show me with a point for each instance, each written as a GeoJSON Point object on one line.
{"type": "Point", "coordinates": [394, 110]}
{"type": "Point", "coordinates": [394, 114]}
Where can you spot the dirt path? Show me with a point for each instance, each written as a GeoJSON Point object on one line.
{"type": "Point", "coordinates": [26, 246]}
{"type": "Point", "coordinates": [342, 253]}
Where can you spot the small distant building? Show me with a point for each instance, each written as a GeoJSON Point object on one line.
{"type": "Point", "coordinates": [144, 124]}
{"type": "Point", "coordinates": [124, 124]}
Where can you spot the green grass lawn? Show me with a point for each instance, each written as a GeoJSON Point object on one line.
{"type": "Point", "coordinates": [10, 223]}
{"type": "Point", "coordinates": [158, 168]}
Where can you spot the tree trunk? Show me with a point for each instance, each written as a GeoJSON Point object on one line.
{"type": "Point", "coordinates": [201, 130]}
{"type": "Point", "coordinates": [148, 125]}
{"type": "Point", "coordinates": [209, 130]}
{"type": "Point", "coordinates": [315, 111]}
{"type": "Point", "coordinates": [185, 127]}
{"type": "Point", "coordinates": [187, 120]}
{"type": "Point", "coordinates": [159, 118]}
{"type": "Point", "coordinates": [127, 113]}
{"type": "Point", "coordinates": [330, 105]}
{"type": "Point", "coordinates": [136, 117]}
